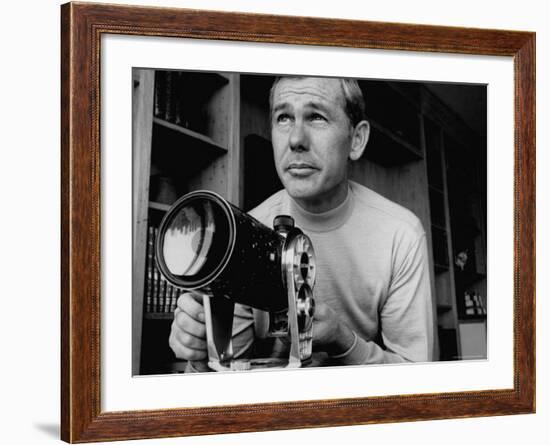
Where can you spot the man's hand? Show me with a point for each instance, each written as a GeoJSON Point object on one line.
{"type": "Point", "coordinates": [329, 333]}
{"type": "Point", "coordinates": [188, 334]}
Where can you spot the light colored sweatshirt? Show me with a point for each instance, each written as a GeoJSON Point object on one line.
{"type": "Point", "coordinates": [372, 269]}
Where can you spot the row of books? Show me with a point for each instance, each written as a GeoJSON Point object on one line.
{"type": "Point", "coordinates": [160, 295]}
{"type": "Point", "coordinates": [178, 101]}
{"type": "Point", "coordinates": [473, 304]}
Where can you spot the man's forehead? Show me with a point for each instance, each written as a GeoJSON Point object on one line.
{"type": "Point", "coordinates": [309, 89]}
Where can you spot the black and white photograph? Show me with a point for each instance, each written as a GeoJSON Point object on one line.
{"type": "Point", "coordinates": [294, 222]}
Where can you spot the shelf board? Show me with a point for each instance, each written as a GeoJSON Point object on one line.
{"type": "Point", "coordinates": [158, 315]}
{"type": "Point", "coordinates": [463, 318]}
{"type": "Point", "coordinates": [440, 268]}
{"type": "Point", "coordinates": [443, 307]}
{"type": "Point", "coordinates": [435, 189]}
{"type": "Point", "coordinates": [178, 130]}
{"type": "Point", "coordinates": [388, 149]}
{"type": "Point", "coordinates": [159, 206]}
{"type": "Point", "coordinates": [439, 227]}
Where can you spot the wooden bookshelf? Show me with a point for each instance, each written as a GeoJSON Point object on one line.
{"type": "Point", "coordinates": [190, 144]}
{"type": "Point", "coordinates": [466, 190]}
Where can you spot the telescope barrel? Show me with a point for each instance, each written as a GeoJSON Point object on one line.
{"type": "Point", "coordinates": [206, 243]}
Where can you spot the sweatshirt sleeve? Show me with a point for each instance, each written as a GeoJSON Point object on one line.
{"type": "Point", "coordinates": [406, 321]}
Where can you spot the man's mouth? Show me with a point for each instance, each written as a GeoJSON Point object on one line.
{"type": "Point", "coordinates": [301, 169]}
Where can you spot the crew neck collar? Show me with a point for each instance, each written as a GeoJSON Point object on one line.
{"type": "Point", "coordinates": [325, 221]}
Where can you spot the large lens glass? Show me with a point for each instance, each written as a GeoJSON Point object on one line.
{"type": "Point", "coordinates": [196, 240]}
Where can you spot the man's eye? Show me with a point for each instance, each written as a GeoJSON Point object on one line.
{"type": "Point", "coordinates": [283, 118]}
{"type": "Point", "coordinates": [317, 117]}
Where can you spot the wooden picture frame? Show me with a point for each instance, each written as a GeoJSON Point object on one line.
{"type": "Point", "coordinates": [82, 26]}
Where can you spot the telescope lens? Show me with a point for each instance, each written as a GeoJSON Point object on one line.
{"type": "Point", "coordinates": [195, 241]}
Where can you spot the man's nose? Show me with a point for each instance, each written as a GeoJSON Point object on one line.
{"type": "Point", "coordinates": [298, 139]}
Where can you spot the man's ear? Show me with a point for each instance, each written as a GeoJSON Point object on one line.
{"type": "Point", "coordinates": [359, 140]}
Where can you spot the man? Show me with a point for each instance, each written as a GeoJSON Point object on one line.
{"type": "Point", "coordinates": [372, 293]}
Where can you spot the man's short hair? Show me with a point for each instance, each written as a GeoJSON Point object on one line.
{"type": "Point", "coordinates": [354, 102]}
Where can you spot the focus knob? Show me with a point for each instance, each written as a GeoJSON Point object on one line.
{"type": "Point", "coordinates": [305, 308]}
{"type": "Point", "coordinates": [283, 223]}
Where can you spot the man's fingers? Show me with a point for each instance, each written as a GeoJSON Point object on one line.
{"type": "Point", "coordinates": [191, 304]}
{"type": "Point", "coordinates": [185, 353]}
{"type": "Point", "coordinates": [188, 334]}
{"type": "Point", "coordinates": [188, 324]}
{"type": "Point", "coordinates": [189, 340]}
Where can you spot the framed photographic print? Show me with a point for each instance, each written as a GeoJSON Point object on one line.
{"type": "Point", "coordinates": [216, 274]}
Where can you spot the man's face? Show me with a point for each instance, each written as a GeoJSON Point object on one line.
{"type": "Point", "coordinates": [311, 136]}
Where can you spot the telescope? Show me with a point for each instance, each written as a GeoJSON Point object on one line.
{"type": "Point", "coordinates": [206, 243]}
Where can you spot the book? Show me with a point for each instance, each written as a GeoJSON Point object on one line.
{"type": "Point", "coordinates": [160, 94]}
{"type": "Point", "coordinates": [169, 112]}
{"type": "Point", "coordinates": [149, 269]}
{"type": "Point", "coordinates": [175, 296]}
{"type": "Point", "coordinates": [156, 281]}
{"type": "Point", "coordinates": [168, 299]}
